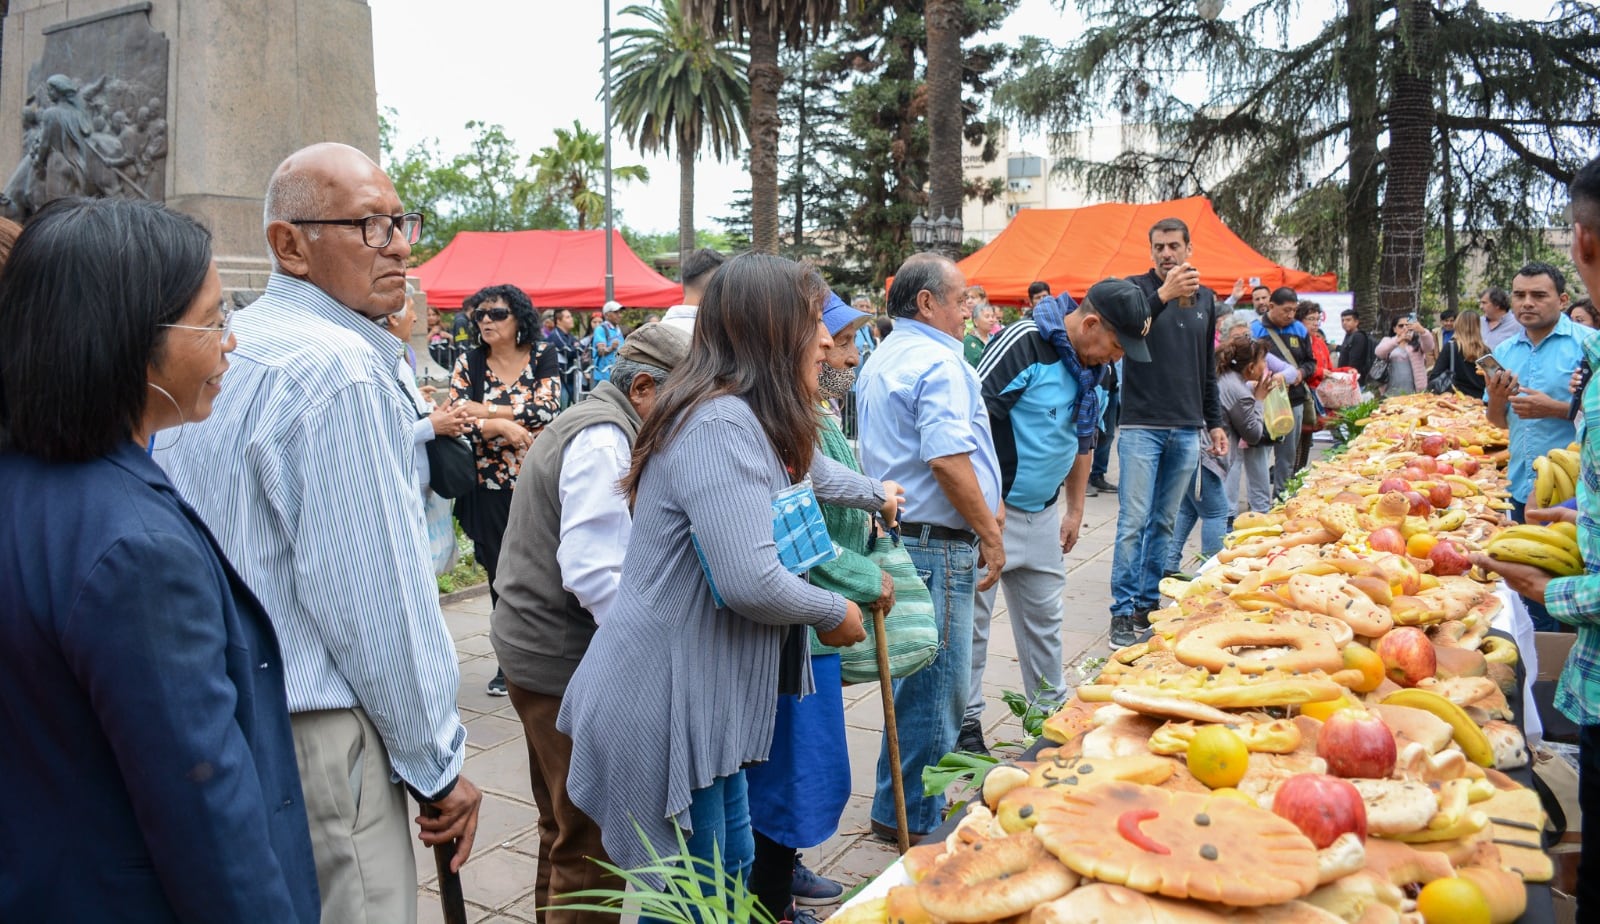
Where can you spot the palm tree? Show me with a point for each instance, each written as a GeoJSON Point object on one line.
{"type": "Point", "coordinates": [944, 21]}
{"type": "Point", "coordinates": [678, 88]}
{"type": "Point", "coordinates": [570, 169]}
{"type": "Point", "coordinates": [765, 23]}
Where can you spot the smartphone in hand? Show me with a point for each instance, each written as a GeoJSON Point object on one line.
{"type": "Point", "coordinates": [1488, 365]}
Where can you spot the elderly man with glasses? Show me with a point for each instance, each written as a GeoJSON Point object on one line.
{"type": "Point", "coordinates": [304, 473]}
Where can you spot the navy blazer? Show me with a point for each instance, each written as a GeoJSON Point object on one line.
{"type": "Point", "coordinates": [150, 770]}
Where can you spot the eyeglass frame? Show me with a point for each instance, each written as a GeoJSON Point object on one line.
{"type": "Point", "coordinates": [394, 222]}
{"type": "Point", "coordinates": [225, 329]}
{"type": "Point", "coordinates": [479, 314]}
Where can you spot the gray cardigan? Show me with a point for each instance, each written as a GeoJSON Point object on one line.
{"type": "Point", "coordinates": [1241, 419]}
{"type": "Point", "coordinates": [674, 692]}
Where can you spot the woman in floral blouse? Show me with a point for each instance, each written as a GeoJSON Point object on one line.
{"type": "Point", "coordinates": [510, 382]}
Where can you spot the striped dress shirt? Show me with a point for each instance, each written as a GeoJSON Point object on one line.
{"type": "Point", "coordinates": [304, 473]}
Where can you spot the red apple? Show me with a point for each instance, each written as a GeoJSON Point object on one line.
{"type": "Point", "coordinates": [1413, 474]}
{"type": "Point", "coordinates": [1439, 495]}
{"type": "Point", "coordinates": [1447, 559]}
{"type": "Point", "coordinates": [1408, 657]}
{"type": "Point", "coordinates": [1424, 463]}
{"type": "Point", "coordinates": [1322, 807]}
{"type": "Point", "coordinates": [1445, 468]}
{"type": "Point", "coordinates": [1420, 507]}
{"type": "Point", "coordinates": [1467, 466]}
{"type": "Point", "coordinates": [1387, 539]}
{"type": "Point", "coordinates": [1394, 483]}
{"type": "Point", "coordinates": [1433, 445]}
{"type": "Point", "coordinates": [1356, 743]}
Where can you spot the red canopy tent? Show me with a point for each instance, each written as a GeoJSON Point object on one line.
{"type": "Point", "coordinates": [1072, 249]}
{"type": "Point", "coordinates": [558, 269]}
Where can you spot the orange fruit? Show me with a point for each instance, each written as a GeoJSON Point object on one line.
{"type": "Point", "coordinates": [1360, 657]}
{"type": "Point", "coordinates": [1321, 711]}
{"type": "Point", "coordinates": [1217, 756]}
{"type": "Point", "coordinates": [1453, 901]}
{"type": "Point", "coordinates": [1420, 544]}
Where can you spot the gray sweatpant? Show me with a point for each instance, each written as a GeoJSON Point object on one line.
{"type": "Point", "coordinates": [1034, 579]}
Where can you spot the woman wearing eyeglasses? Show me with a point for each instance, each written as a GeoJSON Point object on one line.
{"type": "Point", "coordinates": [150, 760]}
{"type": "Point", "coordinates": [512, 384]}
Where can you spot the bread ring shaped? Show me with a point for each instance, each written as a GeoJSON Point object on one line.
{"type": "Point", "coordinates": [995, 879]}
{"type": "Point", "coordinates": [1338, 628]}
{"type": "Point", "coordinates": [1207, 647]}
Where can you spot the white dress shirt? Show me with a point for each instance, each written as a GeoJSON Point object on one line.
{"type": "Point", "coordinates": [595, 520]}
{"type": "Point", "coordinates": [682, 317]}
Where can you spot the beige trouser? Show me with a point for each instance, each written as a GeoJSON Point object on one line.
{"type": "Point", "coordinates": [360, 837]}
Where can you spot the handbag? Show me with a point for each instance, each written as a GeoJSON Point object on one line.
{"type": "Point", "coordinates": [1277, 414]}
{"type": "Point", "coordinates": [911, 626]}
{"type": "Point", "coordinates": [452, 466]}
{"type": "Point", "coordinates": [798, 530]}
{"type": "Point", "coordinates": [1445, 381]}
{"type": "Point", "coordinates": [1379, 372]}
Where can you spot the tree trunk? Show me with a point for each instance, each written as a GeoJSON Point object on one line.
{"type": "Point", "coordinates": [944, 19]}
{"type": "Point", "coordinates": [1450, 271]}
{"type": "Point", "coordinates": [801, 128]}
{"type": "Point", "coordinates": [1361, 193]}
{"type": "Point", "coordinates": [1405, 200]}
{"type": "Point", "coordinates": [686, 153]}
{"type": "Point", "coordinates": [766, 79]}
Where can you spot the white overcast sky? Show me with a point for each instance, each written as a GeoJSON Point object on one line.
{"type": "Point", "coordinates": [534, 66]}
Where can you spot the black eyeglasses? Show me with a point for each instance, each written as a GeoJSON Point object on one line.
{"type": "Point", "coordinates": [493, 314]}
{"type": "Point", "coordinates": [376, 230]}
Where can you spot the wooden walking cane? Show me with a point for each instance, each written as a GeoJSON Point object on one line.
{"type": "Point", "coordinates": [891, 733]}
{"type": "Point", "coordinates": [450, 898]}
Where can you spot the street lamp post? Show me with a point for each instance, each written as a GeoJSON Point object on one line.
{"type": "Point", "coordinates": [610, 279]}
{"type": "Point", "coordinates": [941, 235]}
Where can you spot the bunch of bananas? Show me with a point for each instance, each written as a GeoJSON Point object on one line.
{"type": "Point", "coordinates": [1553, 548]}
{"type": "Point", "coordinates": [1556, 476]}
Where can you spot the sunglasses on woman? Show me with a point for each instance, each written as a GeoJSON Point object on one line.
{"type": "Point", "coordinates": [493, 314]}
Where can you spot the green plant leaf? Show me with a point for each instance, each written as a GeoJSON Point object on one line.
{"type": "Point", "coordinates": [957, 766]}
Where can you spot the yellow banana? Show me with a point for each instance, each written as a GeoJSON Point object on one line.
{"type": "Point", "coordinates": [1565, 488]}
{"type": "Point", "coordinates": [1574, 447]}
{"type": "Point", "coordinates": [1466, 733]}
{"type": "Point", "coordinates": [1467, 485]}
{"type": "Point", "coordinates": [1555, 538]}
{"type": "Point", "coordinates": [1498, 650]}
{"type": "Point", "coordinates": [1566, 528]}
{"type": "Point", "coordinates": [1452, 518]}
{"type": "Point", "coordinates": [1538, 554]}
{"type": "Point", "coordinates": [1568, 460]}
{"type": "Point", "coordinates": [1470, 822]}
{"type": "Point", "coordinates": [1544, 481]}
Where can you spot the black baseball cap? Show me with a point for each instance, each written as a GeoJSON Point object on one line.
{"type": "Point", "coordinates": [1124, 306]}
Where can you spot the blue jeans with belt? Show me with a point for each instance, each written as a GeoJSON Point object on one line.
{"type": "Point", "coordinates": [929, 704]}
{"type": "Point", "coordinates": [1157, 466]}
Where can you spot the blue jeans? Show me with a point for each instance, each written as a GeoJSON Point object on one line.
{"type": "Point", "coordinates": [1108, 435]}
{"type": "Point", "coordinates": [720, 814]}
{"type": "Point", "coordinates": [929, 704]}
{"type": "Point", "coordinates": [1157, 466]}
{"type": "Point", "coordinates": [1212, 510]}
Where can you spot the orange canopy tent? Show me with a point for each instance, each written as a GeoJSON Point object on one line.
{"type": "Point", "coordinates": [1072, 249]}
{"type": "Point", "coordinates": [558, 269]}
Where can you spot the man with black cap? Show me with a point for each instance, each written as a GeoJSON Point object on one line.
{"type": "Point", "coordinates": [1038, 379]}
{"type": "Point", "coordinates": [1170, 413]}
{"type": "Point", "coordinates": [560, 567]}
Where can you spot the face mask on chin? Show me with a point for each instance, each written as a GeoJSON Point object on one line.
{"type": "Point", "coordinates": [835, 383]}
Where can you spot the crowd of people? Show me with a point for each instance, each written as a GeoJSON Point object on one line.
{"type": "Point", "coordinates": [224, 647]}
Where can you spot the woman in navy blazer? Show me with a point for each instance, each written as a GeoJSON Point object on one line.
{"type": "Point", "coordinates": [149, 769]}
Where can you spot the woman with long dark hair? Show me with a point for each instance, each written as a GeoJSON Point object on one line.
{"type": "Point", "coordinates": [676, 694]}
{"type": "Point", "coordinates": [151, 764]}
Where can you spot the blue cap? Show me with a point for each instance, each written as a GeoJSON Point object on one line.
{"type": "Point", "coordinates": [838, 315]}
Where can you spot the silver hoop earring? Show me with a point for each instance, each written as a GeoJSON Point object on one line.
{"type": "Point", "coordinates": [182, 417]}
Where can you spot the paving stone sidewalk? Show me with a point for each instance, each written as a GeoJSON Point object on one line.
{"type": "Point", "coordinates": [498, 880]}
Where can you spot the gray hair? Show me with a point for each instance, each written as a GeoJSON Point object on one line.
{"type": "Point", "coordinates": [291, 194]}
{"type": "Point", "coordinates": [623, 372]}
{"type": "Point", "coordinates": [1241, 318]}
{"type": "Point", "coordinates": [920, 271]}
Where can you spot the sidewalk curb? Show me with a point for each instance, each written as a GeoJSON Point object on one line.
{"type": "Point", "coordinates": [465, 593]}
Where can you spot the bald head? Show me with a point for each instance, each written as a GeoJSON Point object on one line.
{"type": "Point", "coordinates": [333, 182]}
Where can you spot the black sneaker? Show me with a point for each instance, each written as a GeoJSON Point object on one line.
{"type": "Point", "coordinates": [1123, 632]}
{"type": "Point", "coordinates": [1141, 625]}
{"type": "Point", "coordinates": [497, 685]}
{"type": "Point", "coordinates": [971, 739]}
{"type": "Point", "coordinates": [808, 887]}
{"type": "Point", "coordinates": [1091, 491]}
{"type": "Point", "coordinates": [1100, 482]}
{"type": "Point", "coordinates": [801, 916]}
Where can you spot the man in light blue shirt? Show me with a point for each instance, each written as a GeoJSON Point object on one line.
{"type": "Point", "coordinates": [1532, 396]}
{"type": "Point", "coordinates": [923, 424]}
